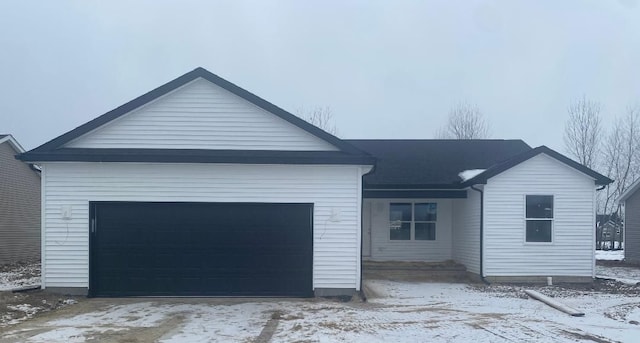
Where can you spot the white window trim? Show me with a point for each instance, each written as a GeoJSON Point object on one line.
{"type": "Point", "coordinates": [553, 219]}
{"type": "Point", "coordinates": [412, 230]}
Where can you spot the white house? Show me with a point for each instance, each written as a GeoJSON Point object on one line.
{"type": "Point", "coordinates": [202, 188]}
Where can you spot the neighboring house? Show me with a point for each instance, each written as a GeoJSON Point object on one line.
{"type": "Point", "coordinates": [630, 199]}
{"type": "Point", "coordinates": [202, 188]}
{"type": "Point", "coordinates": [19, 205]}
{"type": "Point", "coordinates": [608, 229]}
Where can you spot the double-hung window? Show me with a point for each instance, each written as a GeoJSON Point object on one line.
{"type": "Point", "coordinates": [413, 221]}
{"type": "Point", "coordinates": [539, 218]}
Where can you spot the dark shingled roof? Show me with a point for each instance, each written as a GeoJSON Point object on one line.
{"type": "Point", "coordinates": [424, 164]}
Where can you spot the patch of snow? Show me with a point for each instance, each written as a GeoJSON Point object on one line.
{"type": "Point", "coordinates": [145, 314]}
{"type": "Point", "coordinates": [70, 334]}
{"type": "Point", "coordinates": [469, 174]}
{"type": "Point", "coordinates": [20, 277]}
{"type": "Point", "coordinates": [197, 322]}
{"type": "Point", "coordinates": [493, 317]}
{"type": "Point", "coordinates": [26, 308]}
{"type": "Point", "coordinates": [626, 275]}
{"type": "Point", "coordinates": [402, 312]}
{"type": "Point", "coordinates": [610, 255]}
{"type": "Point", "coordinates": [234, 323]}
{"type": "Point", "coordinates": [634, 314]}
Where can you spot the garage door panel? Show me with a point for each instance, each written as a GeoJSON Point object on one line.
{"type": "Point", "coordinates": [218, 249]}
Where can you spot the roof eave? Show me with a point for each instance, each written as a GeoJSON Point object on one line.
{"type": "Point", "coordinates": [409, 186]}
{"type": "Point", "coordinates": [176, 157]}
{"type": "Point", "coordinates": [629, 192]}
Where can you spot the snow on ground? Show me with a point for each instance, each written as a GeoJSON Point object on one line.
{"type": "Point", "coordinates": [18, 276]}
{"type": "Point", "coordinates": [466, 314]}
{"type": "Point", "coordinates": [628, 274]}
{"type": "Point", "coordinates": [610, 255]}
{"type": "Point", "coordinates": [402, 312]}
{"type": "Point", "coordinates": [155, 321]}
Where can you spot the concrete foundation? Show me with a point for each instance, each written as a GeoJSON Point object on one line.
{"type": "Point", "coordinates": [334, 292]}
{"type": "Point", "coordinates": [76, 291]}
{"type": "Point", "coordinates": [539, 279]}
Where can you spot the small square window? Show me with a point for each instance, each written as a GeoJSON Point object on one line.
{"type": "Point", "coordinates": [425, 231]}
{"type": "Point", "coordinates": [400, 231]}
{"type": "Point", "coordinates": [400, 212]}
{"type": "Point", "coordinates": [426, 212]}
{"type": "Point", "coordinates": [539, 206]}
{"type": "Point", "coordinates": [539, 218]}
{"type": "Point", "coordinates": [538, 231]}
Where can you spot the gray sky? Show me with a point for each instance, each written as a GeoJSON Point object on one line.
{"type": "Point", "coordinates": [387, 69]}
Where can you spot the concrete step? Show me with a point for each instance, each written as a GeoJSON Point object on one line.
{"type": "Point", "coordinates": [447, 271]}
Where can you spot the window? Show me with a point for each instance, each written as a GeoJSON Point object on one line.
{"type": "Point", "coordinates": [412, 221]}
{"type": "Point", "coordinates": [539, 218]}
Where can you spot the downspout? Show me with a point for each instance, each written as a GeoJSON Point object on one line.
{"type": "Point", "coordinates": [481, 235]}
{"type": "Point", "coordinates": [362, 295]}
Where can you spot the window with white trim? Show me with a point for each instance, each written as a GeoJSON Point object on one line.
{"type": "Point", "coordinates": [413, 221]}
{"type": "Point", "coordinates": [539, 218]}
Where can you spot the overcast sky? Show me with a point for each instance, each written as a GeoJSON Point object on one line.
{"type": "Point", "coordinates": [387, 69]}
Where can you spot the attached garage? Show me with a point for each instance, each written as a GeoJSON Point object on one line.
{"type": "Point", "coordinates": [196, 249]}
{"type": "Point", "coordinates": [200, 188]}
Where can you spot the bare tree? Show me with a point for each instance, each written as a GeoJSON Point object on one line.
{"type": "Point", "coordinates": [321, 117]}
{"type": "Point", "coordinates": [582, 131]}
{"type": "Point", "coordinates": [620, 161]}
{"type": "Point", "coordinates": [465, 121]}
{"type": "Point", "coordinates": [621, 155]}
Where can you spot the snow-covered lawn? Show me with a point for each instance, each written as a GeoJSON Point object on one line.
{"type": "Point", "coordinates": [504, 313]}
{"type": "Point", "coordinates": [18, 276]}
{"type": "Point", "coordinates": [610, 255]}
{"type": "Point", "coordinates": [402, 312]}
{"type": "Point", "coordinates": [627, 274]}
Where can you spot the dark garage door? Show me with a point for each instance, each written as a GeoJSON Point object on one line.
{"type": "Point", "coordinates": [200, 249]}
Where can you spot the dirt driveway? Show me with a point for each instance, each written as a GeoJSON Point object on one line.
{"type": "Point", "coordinates": [150, 320]}
{"type": "Point", "coordinates": [400, 312]}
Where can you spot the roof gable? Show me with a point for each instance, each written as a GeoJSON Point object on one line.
{"type": "Point", "coordinates": [174, 85]}
{"type": "Point", "coordinates": [201, 115]}
{"type": "Point", "coordinates": [630, 191]}
{"type": "Point", "coordinates": [516, 160]}
{"type": "Point", "coordinates": [6, 138]}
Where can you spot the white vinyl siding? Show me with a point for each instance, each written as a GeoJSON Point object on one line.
{"type": "Point", "coordinates": [466, 231]}
{"type": "Point", "coordinates": [385, 249]}
{"type": "Point", "coordinates": [201, 115]}
{"type": "Point", "coordinates": [332, 189]}
{"type": "Point", "coordinates": [571, 252]}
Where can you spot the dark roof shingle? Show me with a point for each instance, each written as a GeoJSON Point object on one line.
{"type": "Point", "coordinates": [432, 163]}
